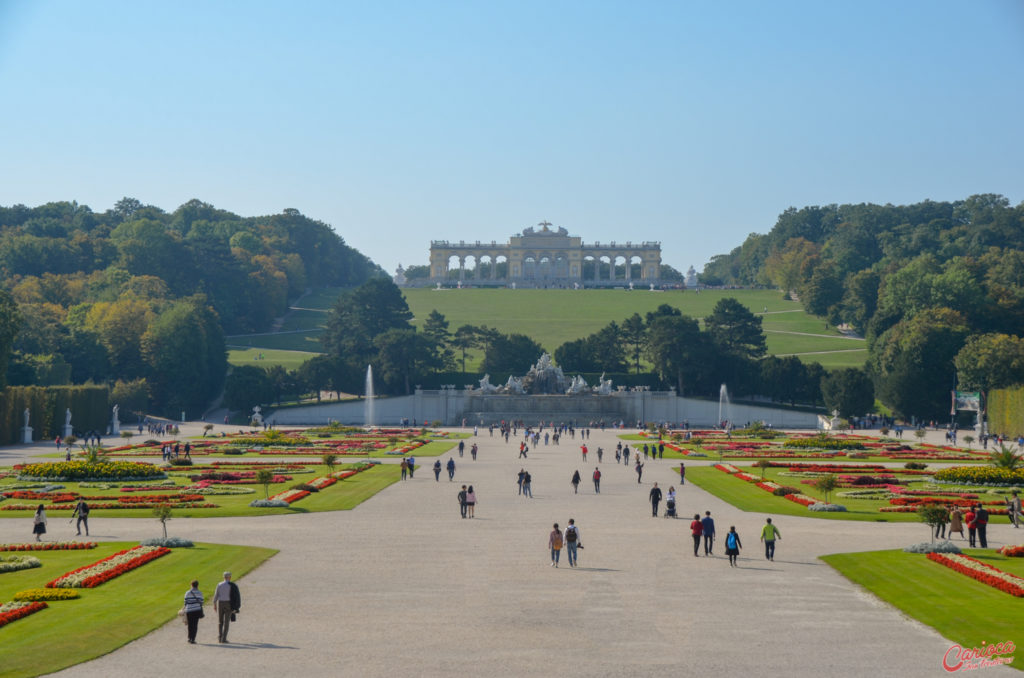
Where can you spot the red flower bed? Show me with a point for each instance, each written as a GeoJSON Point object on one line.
{"type": "Point", "coordinates": [800, 500]}
{"type": "Point", "coordinates": [22, 611]}
{"type": "Point", "coordinates": [110, 505]}
{"type": "Point", "coordinates": [52, 546]}
{"type": "Point", "coordinates": [1012, 551]}
{"type": "Point", "coordinates": [105, 575]}
{"type": "Point", "coordinates": [41, 496]}
{"type": "Point", "coordinates": [983, 572]}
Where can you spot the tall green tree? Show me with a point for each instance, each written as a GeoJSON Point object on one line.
{"type": "Point", "coordinates": [361, 315]}
{"type": "Point", "coordinates": [848, 391]}
{"type": "Point", "coordinates": [676, 347]}
{"type": "Point", "coordinates": [735, 330]}
{"type": "Point", "coordinates": [512, 353]}
{"type": "Point", "coordinates": [634, 338]}
{"type": "Point", "coordinates": [990, 361]}
{"type": "Point", "coordinates": [435, 330]}
{"type": "Point", "coordinates": [10, 321]}
{"type": "Point", "coordinates": [464, 340]}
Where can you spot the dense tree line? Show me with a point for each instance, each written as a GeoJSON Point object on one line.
{"type": "Point", "coordinates": [937, 288]}
{"type": "Point", "coordinates": [139, 295]}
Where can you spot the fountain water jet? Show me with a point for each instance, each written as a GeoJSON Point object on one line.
{"type": "Point", "coordinates": [368, 418]}
{"type": "Point", "coordinates": [723, 406]}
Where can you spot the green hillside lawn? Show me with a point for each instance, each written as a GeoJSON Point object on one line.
{"type": "Point", "coordinates": [552, 317]}
{"type": "Point", "coordinates": [288, 359]}
{"type": "Point", "coordinates": [963, 610]}
{"type": "Point", "coordinates": [69, 632]}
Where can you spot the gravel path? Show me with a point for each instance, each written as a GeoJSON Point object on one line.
{"type": "Point", "coordinates": [403, 586]}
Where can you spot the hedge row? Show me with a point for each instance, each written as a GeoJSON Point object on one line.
{"type": "Point", "coordinates": [1006, 411]}
{"type": "Point", "coordinates": [89, 405]}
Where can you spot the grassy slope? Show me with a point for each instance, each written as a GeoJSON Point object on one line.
{"type": "Point", "coordinates": [117, 612]}
{"type": "Point", "coordinates": [961, 609]}
{"type": "Point", "coordinates": [553, 317]}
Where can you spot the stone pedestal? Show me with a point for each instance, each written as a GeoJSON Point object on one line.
{"type": "Point", "coordinates": [26, 434]}
{"type": "Point", "coordinates": [115, 427]}
{"type": "Point", "coordinates": [68, 431]}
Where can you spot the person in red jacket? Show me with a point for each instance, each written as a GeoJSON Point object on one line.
{"type": "Point", "coordinates": [972, 526]}
{"type": "Point", "coordinates": [696, 529]}
{"type": "Point", "coordinates": [597, 480]}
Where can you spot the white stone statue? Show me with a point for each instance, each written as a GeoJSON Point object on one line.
{"type": "Point", "coordinates": [578, 386]}
{"type": "Point", "coordinates": [486, 386]}
{"type": "Point", "coordinates": [257, 417]}
{"type": "Point", "coordinates": [67, 417]}
{"type": "Point", "coordinates": [631, 287]}
{"type": "Point", "coordinates": [115, 410]}
{"type": "Point", "coordinates": [26, 414]}
{"type": "Point", "coordinates": [514, 385]}
{"type": "Point", "coordinates": [604, 386]}
{"type": "Point", "coordinates": [652, 287]}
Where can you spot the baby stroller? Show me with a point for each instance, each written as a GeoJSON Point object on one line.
{"type": "Point", "coordinates": [670, 508]}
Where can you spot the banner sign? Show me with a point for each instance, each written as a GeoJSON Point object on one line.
{"type": "Point", "coordinates": [966, 400]}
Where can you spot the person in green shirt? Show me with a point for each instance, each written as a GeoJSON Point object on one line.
{"type": "Point", "coordinates": [769, 533]}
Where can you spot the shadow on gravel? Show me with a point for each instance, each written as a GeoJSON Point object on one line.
{"type": "Point", "coordinates": [255, 646]}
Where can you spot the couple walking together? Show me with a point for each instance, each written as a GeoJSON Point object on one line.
{"type": "Point", "coordinates": [569, 539]}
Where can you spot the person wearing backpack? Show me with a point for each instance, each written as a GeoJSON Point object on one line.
{"type": "Point", "coordinates": [576, 482]}
{"type": "Point", "coordinates": [555, 544]}
{"type": "Point", "coordinates": [572, 541]}
{"type": "Point", "coordinates": [82, 511]}
{"type": "Point", "coordinates": [732, 545]}
{"type": "Point", "coordinates": [597, 480]}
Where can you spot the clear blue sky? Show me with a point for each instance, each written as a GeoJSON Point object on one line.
{"type": "Point", "coordinates": [692, 123]}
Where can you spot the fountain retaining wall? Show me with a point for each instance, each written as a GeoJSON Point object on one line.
{"type": "Point", "coordinates": [450, 406]}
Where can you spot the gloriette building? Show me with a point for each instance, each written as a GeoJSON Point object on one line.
{"type": "Point", "coordinates": [541, 256]}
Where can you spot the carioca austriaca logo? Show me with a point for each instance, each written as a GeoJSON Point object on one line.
{"type": "Point", "coordinates": [959, 658]}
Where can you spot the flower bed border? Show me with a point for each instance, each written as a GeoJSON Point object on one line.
{"type": "Point", "coordinates": [982, 572]}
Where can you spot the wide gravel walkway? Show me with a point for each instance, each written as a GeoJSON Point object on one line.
{"type": "Point", "coordinates": [402, 586]}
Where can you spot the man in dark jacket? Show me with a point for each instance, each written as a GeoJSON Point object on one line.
{"type": "Point", "coordinates": [655, 500]}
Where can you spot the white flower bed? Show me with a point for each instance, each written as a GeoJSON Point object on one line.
{"type": "Point", "coordinates": [268, 503]}
{"type": "Point", "coordinates": [15, 563]}
{"type": "Point", "coordinates": [933, 547]}
{"type": "Point", "coordinates": [822, 506]}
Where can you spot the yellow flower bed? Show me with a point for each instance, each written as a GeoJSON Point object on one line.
{"type": "Point", "coordinates": [47, 594]}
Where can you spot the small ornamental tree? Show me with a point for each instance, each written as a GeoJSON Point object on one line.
{"type": "Point", "coordinates": [329, 460]}
{"type": "Point", "coordinates": [163, 514]}
{"type": "Point", "coordinates": [933, 516]}
{"type": "Point", "coordinates": [206, 429]}
{"type": "Point", "coordinates": [968, 439]}
{"type": "Point", "coordinates": [920, 433]}
{"type": "Point", "coordinates": [764, 465]}
{"type": "Point", "coordinates": [264, 477]}
{"type": "Point", "coordinates": [827, 484]}
{"type": "Point", "coordinates": [1006, 458]}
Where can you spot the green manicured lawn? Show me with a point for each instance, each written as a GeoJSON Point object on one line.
{"type": "Point", "coordinates": [69, 632]}
{"type": "Point", "coordinates": [748, 497]}
{"type": "Point", "coordinates": [287, 359]}
{"type": "Point", "coordinates": [342, 496]}
{"type": "Point", "coordinates": [552, 317]}
{"type": "Point", "coordinates": [963, 610]}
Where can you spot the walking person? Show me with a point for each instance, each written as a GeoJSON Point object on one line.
{"type": "Point", "coordinates": [769, 533]}
{"type": "Point", "coordinates": [405, 468]}
{"type": "Point", "coordinates": [471, 502]}
{"type": "Point", "coordinates": [472, 451]}
{"type": "Point", "coordinates": [519, 482]}
{"type": "Point", "coordinates": [462, 447]}
{"type": "Point", "coordinates": [572, 541]}
{"type": "Point", "coordinates": [956, 521]}
{"type": "Point", "coordinates": [940, 528]}
{"type": "Point", "coordinates": [462, 497]}
{"type": "Point", "coordinates": [972, 526]}
{"type": "Point", "coordinates": [555, 545]}
{"type": "Point", "coordinates": [193, 610]}
{"type": "Point", "coordinates": [708, 525]}
{"type": "Point", "coordinates": [981, 520]}
{"type": "Point", "coordinates": [39, 523]}
{"type": "Point", "coordinates": [1013, 508]}
{"type": "Point", "coordinates": [575, 482]}
{"type": "Point", "coordinates": [696, 528]}
{"type": "Point", "coordinates": [82, 511]}
{"type": "Point", "coordinates": [639, 470]}
{"type": "Point", "coordinates": [682, 473]}
{"type": "Point", "coordinates": [451, 469]}
{"type": "Point", "coordinates": [600, 455]}
{"type": "Point", "coordinates": [411, 465]}
{"type": "Point", "coordinates": [226, 602]}
{"type": "Point", "coordinates": [583, 449]}
{"type": "Point", "coordinates": [437, 470]}
{"type": "Point", "coordinates": [732, 546]}
{"type": "Point", "coordinates": [655, 497]}
{"type": "Point", "coordinates": [527, 479]}
{"type": "Point", "coordinates": [597, 480]}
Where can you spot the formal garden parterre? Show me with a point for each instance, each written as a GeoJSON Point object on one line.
{"type": "Point", "coordinates": [124, 589]}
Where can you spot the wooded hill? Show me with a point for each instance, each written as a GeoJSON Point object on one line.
{"type": "Point", "coordinates": [936, 287]}
{"type": "Point", "coordinates": [139, 293]}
